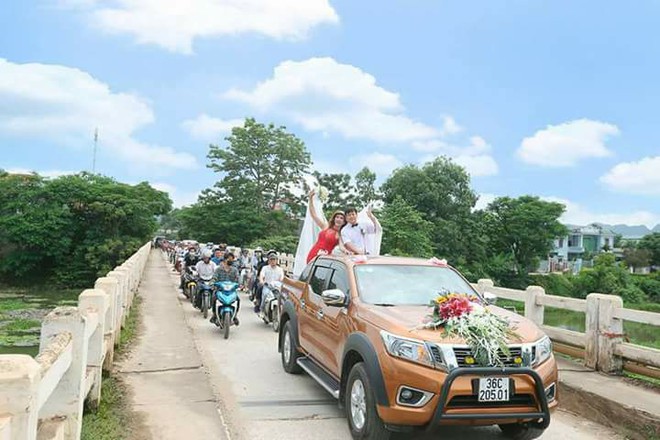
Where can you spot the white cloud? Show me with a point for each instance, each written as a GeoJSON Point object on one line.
{"type": "Point", "coordinates": [577, 214]}
{"type": "Point", "coordinates": [326, 96]}
{"type": "Point", "coordinates": [45, 173]}
{"type": "Point", "coordinates": [478, 166]}
{"type": "Point", "coordinates": [474, 157]}
{"type": "Point", "coordinates": [207, 128]}
{"type": "Point", "coordinates": [379, 163]}
{"type": "Point", "coordinates": [66, 104]}
{"type": "Point", "coordinates": [449, 126]}
{"type": "Point", "coordinates": [641, 177]}
{"type": "Point", "coordinates": [174, 24]}
{"type": "Point", "coordinates": [484, 200]}
{"type": "Point", "coordinates": [179, 198]}
{"type": "Point", "coordinates": [566, 144]}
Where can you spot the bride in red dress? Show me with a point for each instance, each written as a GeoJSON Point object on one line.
{"type": "Point", "coordinates": [330, 232]}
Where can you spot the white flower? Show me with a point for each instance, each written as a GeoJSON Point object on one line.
{"type": "Point", "coordinates": [323, 194]}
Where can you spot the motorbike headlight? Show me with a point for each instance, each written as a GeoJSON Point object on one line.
{"type": "Point", "coordinates": [408, 349]}
{"type": "Point", "coordinates": [543, 349]}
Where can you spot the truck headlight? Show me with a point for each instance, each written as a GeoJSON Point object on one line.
{"type": "Point", "coordinates": [543, 348]}
{"type": "Point", "coordinates": [408, 349]}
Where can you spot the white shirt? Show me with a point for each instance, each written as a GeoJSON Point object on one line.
{"type": "Point", "coordinates": [205, 270]}
{"type": "Point", "coordinates": [271, 274]}
{"type": "Point", "coordinates": [355, 234]}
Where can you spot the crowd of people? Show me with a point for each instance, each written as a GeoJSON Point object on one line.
{"type": "Point", "coordinates": [254, 273]}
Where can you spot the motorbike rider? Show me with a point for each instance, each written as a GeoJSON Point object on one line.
{"type": "Point", "coordinates": [226, 271]}
{"type": "Point", "coordinates": [244, 266]}
{"type": "Point", "coordinates": [205, 270]}
{"type": "Point", "coordinates": [217, 256]}
{"type": "Point", "coordinates": [189, 260]}
{"type": "Point", "coordinates": [271, 272]}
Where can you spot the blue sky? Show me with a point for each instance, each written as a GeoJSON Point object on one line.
{"type": "Point", "coordinates": [552, 98]}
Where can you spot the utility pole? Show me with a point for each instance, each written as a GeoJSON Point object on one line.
{"type": "Point", "coordinates": [96, 143]}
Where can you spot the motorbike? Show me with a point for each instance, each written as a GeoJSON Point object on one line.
{"type": "Point", "coordinates": [190, 283]}
{"type": "Point", "coordinates": [272, 304]}
{"type": "Point", "coordinates": [245, 278]}
{"type": "Point", "coordinates": [226, 294]}
{"type": "Point", "coordinates": [204, 292]}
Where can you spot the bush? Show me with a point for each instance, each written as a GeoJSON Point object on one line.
{"type": "Point", "coordinates": [650, 284]}
{"type": "Point", "coordinates": [555, 284]}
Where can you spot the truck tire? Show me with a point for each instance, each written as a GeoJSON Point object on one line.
{"type": "Point", "coordinates": [520, 431]}
{"type": "Point", "coordinates": [289, 351]}
{"type": "Point", "coordinates": [360, 403]}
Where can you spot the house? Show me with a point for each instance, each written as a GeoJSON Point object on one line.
{"type": "Point", "coordinates": [582, 240]}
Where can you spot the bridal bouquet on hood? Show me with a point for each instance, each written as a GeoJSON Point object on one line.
{"type": "Point", "coordinates": [463, 316]}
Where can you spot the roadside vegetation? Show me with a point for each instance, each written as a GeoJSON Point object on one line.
{"type": "Point", "coordinates": [114, 419]}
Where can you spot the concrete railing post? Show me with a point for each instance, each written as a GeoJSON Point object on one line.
{"type": "Point", "coordinates": [110, 287]}
{"type": "Point", "coordinates": [19, 390]}
{"type": "Point", "coordinates": [591, 331]}
{"type": "Point", "coordinates": [122, 277]}
{"type": "Point", "coordinates": [485, 285]}
{"type": "Point", "coordinates": [68, 397]}
{"type": "Point", "coordinates": [533, 310]}
{"type": "Point", "coordinates": [610, 334]}
{"type": "Point", "coordinates": [95, 301]}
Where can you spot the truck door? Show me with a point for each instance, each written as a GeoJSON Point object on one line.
{"type": "Point", "coordinates": [310, 325]}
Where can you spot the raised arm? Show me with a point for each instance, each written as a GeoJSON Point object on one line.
{"type": "Point", "coordinates": [321, 223]}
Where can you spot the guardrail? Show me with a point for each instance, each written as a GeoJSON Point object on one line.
{"type": "Point", "coordinates": [42, 397]}
{"type": "Point", "coordinates": [602, 345]}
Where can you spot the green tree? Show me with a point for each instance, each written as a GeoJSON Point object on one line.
{"type": "Point", "coordinates": [406, 231]}
{"type": "Point", "coordinates": [340, 190]}
{"type": "Point", "coordinates": [365, 190]}
{"type": "Point", "coordinates": [73, 228]}
{"type": "Point", "coordinates": [524, 227]}
{"type": "Point", "coordinates": [651, 243]}
{"type": "Point", "coordinates": [609, 278]}
{"type": "Point", "coordinates": [637, 257]}
{"type": "Point", "coordinates": [440, 191]}
{"type": "Point", "coordinates": [259, 164]}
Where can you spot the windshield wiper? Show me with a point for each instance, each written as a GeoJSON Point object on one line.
{"type": "Point", "coordinates": [384, 304]}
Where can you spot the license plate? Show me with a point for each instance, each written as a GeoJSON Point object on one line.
{"type": "Point", "coordinates": [493, 389]}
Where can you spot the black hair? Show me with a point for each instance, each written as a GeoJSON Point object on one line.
{"type": "Point", "coordinates": [350, 209]}
{"type": "Point", "coordinates": [229, 254]}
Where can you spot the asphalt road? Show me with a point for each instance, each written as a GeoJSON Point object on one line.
{"type": "Point", "coordinates": [258, 400]}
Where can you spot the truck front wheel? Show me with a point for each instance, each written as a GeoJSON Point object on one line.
{"type": "Point", "coordinates": [360, 404]}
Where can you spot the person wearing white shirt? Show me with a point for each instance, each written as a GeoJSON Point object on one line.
{"type": "Point", "coordinates": [352, 235]}
{"type": "Point", "coordinates": [268, 274]}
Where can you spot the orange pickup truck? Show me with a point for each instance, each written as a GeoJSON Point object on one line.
{"type": "Point", "coordinates": [353, 324]}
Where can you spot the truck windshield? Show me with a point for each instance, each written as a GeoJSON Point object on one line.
{"type": "Point", "coordinates": [407, 284]}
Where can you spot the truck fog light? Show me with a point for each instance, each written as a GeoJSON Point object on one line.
{"type": "Point", "coordinates": [517, 360]}
{"type": "Point", "coordinates": [550, 392]}
{"type": "Point", "coordinates": [408, 396]}
{"type": "Point", "coordinates": [469, 360]}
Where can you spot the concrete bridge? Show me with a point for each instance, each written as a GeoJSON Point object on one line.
{"type": "Point", "coordinates": [189, 383]}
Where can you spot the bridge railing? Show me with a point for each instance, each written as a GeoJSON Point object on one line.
{"type": "Point", "coordinates": [602, 345]}
{"type": "Point", "coordinates": [42, 397]}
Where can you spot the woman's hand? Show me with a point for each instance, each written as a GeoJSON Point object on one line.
{"type": "Point", "coordinates": [311, 193]}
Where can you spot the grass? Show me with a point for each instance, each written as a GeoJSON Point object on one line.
{"type": "Point", "coordinates": [114, 419]}
{"type": "Point", "coordinates": [10, 305]}
{"type": "Point", "coordinates": [21, 324]}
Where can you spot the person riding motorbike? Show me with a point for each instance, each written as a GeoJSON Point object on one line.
{"type": "Point", "coordinates": [217, 256]}
{"type": "Point", "coordinates": [269, 273]}
{"type": "Point", "coordinates": [189, 260]}
{"type": "Point", "coordinates": [226, 271]}
{"type": "Point", "coordinates": [244, 266]}
{"type": "Point", "coordinates": [205, 271]}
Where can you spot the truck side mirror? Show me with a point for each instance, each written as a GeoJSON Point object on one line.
{"type": "Point", "coordinates": [490, 298]}
{"type": "Point", "coordinates": [334, 297]}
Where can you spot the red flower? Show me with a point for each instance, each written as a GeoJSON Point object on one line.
{"type": "Point", "coordinates": [455, 307]}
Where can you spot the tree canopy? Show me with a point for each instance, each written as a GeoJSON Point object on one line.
{"type": "Point", "coordinates": [73, 228]}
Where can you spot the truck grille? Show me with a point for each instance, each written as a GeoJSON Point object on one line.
{"type": "Point", "coordinates": [462, 352]}
{"type": "Point", "coordinates": [473, 402]}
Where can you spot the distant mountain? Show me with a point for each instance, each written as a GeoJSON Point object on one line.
{"type": "Point", "coordinates": [657, 228]}
{"type": "Point", "coordinates": [627, 231]}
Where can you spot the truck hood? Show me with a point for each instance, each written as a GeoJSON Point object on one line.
{"type": "Point", "coordinates": [406, 321]}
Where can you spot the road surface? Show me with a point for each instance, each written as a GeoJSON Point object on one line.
{"type": "Point", "coordinates": [258, 400]}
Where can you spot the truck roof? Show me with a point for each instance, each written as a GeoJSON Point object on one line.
{"type": "Point", "coordinates": [352, 260]}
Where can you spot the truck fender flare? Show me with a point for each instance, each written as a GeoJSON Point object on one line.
{"type": "Point", "coordinates": [359, 343]}
{"type": "Point", "coordinates": [289, 309]}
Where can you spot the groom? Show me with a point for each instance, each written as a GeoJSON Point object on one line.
{"type": "Point", "coordinates": [352, 235]}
